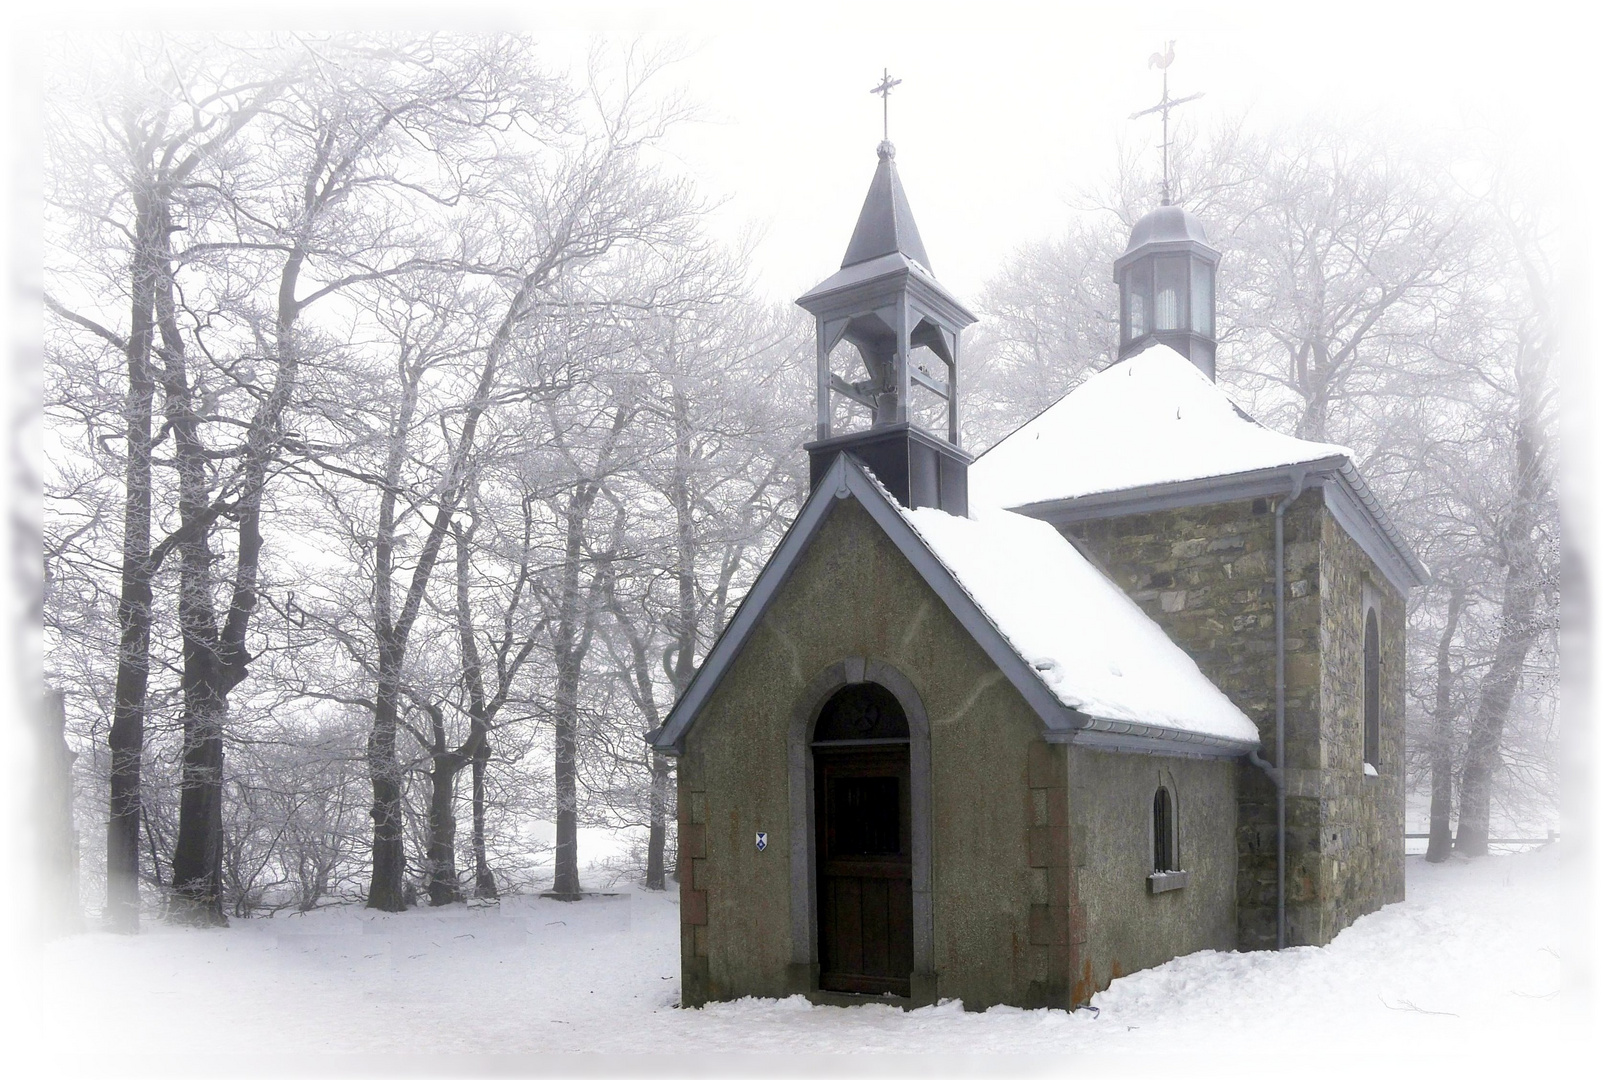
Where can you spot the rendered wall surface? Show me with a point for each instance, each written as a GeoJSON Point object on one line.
{"type": "Point", "coordinates": [1127, 926]}
{"type": "Point", "coordinates": [853, 594]}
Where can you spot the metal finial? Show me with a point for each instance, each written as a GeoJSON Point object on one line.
{"type": "Point", "coordinates": [884, 91]}
{"type": "Point", "coordinates": [1161, 61]}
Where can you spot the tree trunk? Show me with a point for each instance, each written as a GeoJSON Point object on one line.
{"type": "Point", "coordinates": [58, 838]}
{"type": "Point", "coordinates": [483, 880]}
{"type": "Point", "coordinates": [574, 628]}
{"type": "Point", "coordinates": [657, 841]}
{"type": "Point", "coordinates": [441, 881]}
{"type": "Point", "coordinates": [1515, 634]}
{"type": "Point", "coordinates": [1441, 748]}
{"type": "Point", "coordinates": [197, 852]}
{"type": "Point", "coordinates": [126, 738]}
{"type": "Point", "coordinates": [687, 620]}
{"type": "Point", "coordinates": [1484, 754]}
{"type": "Point", "coordinates": [565, 883]}
{"type": "Point", "coordinates": [386, 889]}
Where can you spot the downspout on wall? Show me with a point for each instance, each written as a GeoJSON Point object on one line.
{"type": "Point", "coordinates": [1297, 479]}
{"type": "Point", "coordinates": [1277, 771]}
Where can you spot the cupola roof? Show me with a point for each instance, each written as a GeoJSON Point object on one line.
{"type": "Point", "coordinates": [1168, 224]}
{"type": "Point", "coordinates": [885, 226]}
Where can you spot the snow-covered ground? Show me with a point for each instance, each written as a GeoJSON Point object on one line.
{"type": "Point", "coordinates": [1467, 969]}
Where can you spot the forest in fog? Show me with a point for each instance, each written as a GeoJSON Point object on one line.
{"type": "Point", "coordinates": [410, 436]}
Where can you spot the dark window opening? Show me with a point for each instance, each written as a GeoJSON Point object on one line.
{"type": "Point", "coordinates": [866, 812]}
{"type": "Point", "coordinates": [861, 711]}
{"type": "Point", "coordinates": [1163, 859]}
{"type": "Point", "coordinates": [1372, 690]}
{"type": "Point", "coordinates": [1202, 297]}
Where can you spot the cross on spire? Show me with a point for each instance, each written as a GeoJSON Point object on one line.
{"type": "Point", "coordinates": [884, 91]}
{"type": "Point", "coordinates": [1161, 61]}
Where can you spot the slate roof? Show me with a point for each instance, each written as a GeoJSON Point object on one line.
{"type": "Point", "coordinates": [1095, 669]}
{"type": "Point", "coordinates": [885, 225]}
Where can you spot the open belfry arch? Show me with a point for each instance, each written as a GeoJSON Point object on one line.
{"type": "Point", "coordinates": [1006, 748]}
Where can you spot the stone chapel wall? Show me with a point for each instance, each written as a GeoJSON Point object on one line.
{"type": "Point", "coordinates": [1206, 574]}
{"type": "Point", "coordinates": [1362, 827]}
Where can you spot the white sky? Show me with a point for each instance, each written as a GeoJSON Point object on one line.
{"type": "Point", "coordinates": [1006, 109]}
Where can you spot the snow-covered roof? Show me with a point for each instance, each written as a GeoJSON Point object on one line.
{"type": "Point", "coordinates": [1152, 432]}
{"type": "Point", "coordinates": [1151, 419]}
{"type": "Point", "coordinates": [1098, 652]}
{"type": "Point", "coordinates": [1094, 668]}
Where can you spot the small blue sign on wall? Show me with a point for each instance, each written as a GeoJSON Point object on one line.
{"type": "Point", "coordinates": [762, 841]}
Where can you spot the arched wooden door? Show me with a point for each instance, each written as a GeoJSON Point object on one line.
{"type": "Point", "coordinates": [862, 809]}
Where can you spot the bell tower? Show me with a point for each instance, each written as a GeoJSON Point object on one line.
{"type": "Point", "coordinates": [1166, 274]}
{"type": "Point", "coordinates": [1166, 279]}
{"type": "Point", "coordinates": [902, 328]}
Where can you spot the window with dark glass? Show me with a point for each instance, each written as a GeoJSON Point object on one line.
{"type": "Point", "coordinates": [1202, 297]}
{"type": "Point", "coordinates": [1169, 292]}
{"type": "Point", "coordinates": [1137, 300]}
{"type": "Point", "coordinates": [1371, 690]}
{"type": "Point", "coordinates": [1163, 859]}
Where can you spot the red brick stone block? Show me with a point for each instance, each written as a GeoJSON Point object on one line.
{"type": "Point", "coordinates": [693, 907]}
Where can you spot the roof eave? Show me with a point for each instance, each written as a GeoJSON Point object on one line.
{"type": "Point", "coordinates": [850, 287]}
{"type": "Point", "coordinates": [1354, 506]}
{"type": "Point", "coordinates": [1130, 737]}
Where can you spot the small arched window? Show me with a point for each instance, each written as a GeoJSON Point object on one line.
{"type": "Point", "coordinates": [1163, 855]}
{"type": "Point", "coordinates": [1372, 690]}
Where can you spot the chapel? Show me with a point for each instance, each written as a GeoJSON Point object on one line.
{"type": "Point", "coordinates": [1002, 729]}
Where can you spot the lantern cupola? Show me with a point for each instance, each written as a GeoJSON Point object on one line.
{"type": "Point", "coordinates": [1166, 287]}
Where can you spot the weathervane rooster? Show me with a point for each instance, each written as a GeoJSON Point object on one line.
{"type": "Point", "coordinates": [1161, 61]}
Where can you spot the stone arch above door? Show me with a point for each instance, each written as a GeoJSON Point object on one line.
{"type": "Point", "coordinates": [803, 848]}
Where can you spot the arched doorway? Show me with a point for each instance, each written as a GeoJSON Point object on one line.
{"type": "Point", "coordinates": [863, 816]}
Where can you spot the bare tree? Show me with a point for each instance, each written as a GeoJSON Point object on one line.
{"type": "Point", "coordinates": [1441, 742]}
{"type": "Point", "coordinates": [703, 508]}
{"type": "Point", "coordinates": [176, 111]}
{"type": "Point", "coordinates": [1051, 319]}
{"type": "Point", "coordinates": [1524, 534]}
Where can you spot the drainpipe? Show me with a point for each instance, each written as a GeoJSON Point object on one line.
{"type": "Point", "coordinates": [1279, 773]}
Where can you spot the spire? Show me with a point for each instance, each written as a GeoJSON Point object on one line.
{"type": "Point", "coordinates": [886, 224]}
